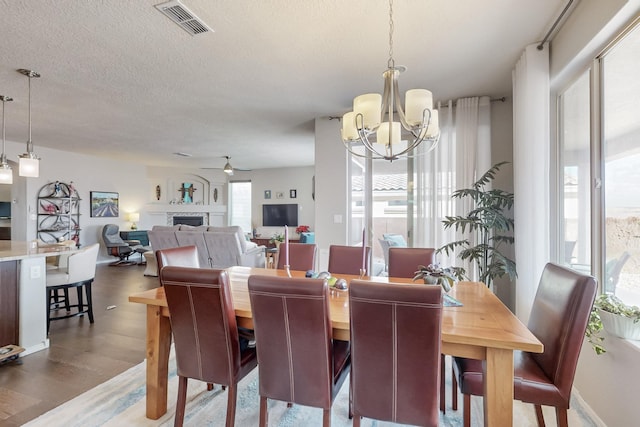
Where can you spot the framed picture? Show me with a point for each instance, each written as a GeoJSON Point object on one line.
{"type": "Point", "coordinates": [267, 194]}
{"type": "Point", "coordinates": [279, 195]}
{"type": "Point", "coordinates": [104, 204]}
{"type": "Point", "coordinates": [293, 194]}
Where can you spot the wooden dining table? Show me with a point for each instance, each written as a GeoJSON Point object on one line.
{"type": "Point", "coordinates": [482, 328]}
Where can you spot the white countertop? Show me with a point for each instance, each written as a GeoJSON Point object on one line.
{"type": "Point", "coordinates": [11, 250]}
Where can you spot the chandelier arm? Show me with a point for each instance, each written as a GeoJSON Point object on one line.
{"type": "Point", "coordinates": [378, 156]}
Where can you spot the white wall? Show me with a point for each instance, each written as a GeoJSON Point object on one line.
{"type": "Point", "coordinates": [280, 180]}
{"type": "Point", "coordinates": [608, 383]}
{"type": "Point", "coordinates": [331, 188]}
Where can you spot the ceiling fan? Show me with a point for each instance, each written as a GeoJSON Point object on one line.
{"type": "Point", "coordinates": [228, 168]}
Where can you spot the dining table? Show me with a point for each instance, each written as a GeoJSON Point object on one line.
{"type": "Point", "coordinates": [481, 328]}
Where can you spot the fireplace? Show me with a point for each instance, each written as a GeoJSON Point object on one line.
{"type": "Point", "coordinates": [187, 218]}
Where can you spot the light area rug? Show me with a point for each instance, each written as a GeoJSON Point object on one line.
{"type": "Point", "coordinates": [121, 402]}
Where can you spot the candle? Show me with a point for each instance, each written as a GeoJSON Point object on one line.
{"type": "Point", "coordinates": [286, 245]}
{"type": "Point", "coordinates": [364, 252]}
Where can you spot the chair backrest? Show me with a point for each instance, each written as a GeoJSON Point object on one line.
{"type": "Point", "coordinates": [348, 259]}
{"type": "Point", "coordinates": [183, 256]}
{"type": "Point", "coordinates": [111, 236]}
{"type": "Point", "coordinates": [395, 351]}
{"type": "Point", "coordinates": [559, 318]}
{"type": "Point", "coordinates": [203, 323]}
{"type": "Point", "coordinates": [404, 262]}
{"type": "Point", "coordinates": [81, 265]}
{"type": "Point", "coordinates": [612, 271]}
{"type": "Point", "coordinates": [293, 337]}
{"type": "Point", "coordinates": [302, 256]}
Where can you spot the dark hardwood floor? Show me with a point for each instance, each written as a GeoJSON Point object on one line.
{"type": "Point", "coordinates": [81, 355]}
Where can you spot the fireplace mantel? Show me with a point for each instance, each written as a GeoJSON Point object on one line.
{"type": "Point", "coordinates": [167, 207]}
{"type": "Point", "coordinates": [163, 212]}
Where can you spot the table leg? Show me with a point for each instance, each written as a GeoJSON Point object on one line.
{"type": "Point", "coordinates": [158, 345]}
{"type": "Point", "coordinates": [498, 388]}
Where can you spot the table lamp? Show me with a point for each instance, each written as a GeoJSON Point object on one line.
{"type": "Point", "coordinates": [134, 217]}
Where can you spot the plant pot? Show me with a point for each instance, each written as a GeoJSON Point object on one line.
{"type": "Point", "coordinates": [429, 280]}
{"type": "Point", "coordinates": [620, 326]}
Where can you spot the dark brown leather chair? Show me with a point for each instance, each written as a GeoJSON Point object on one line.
{"type": "Point", "coordinates": [293, 329]}
{"type": "Point", "coordinates": [205, 333]}
{"type": "Point", "coordinates": [181, 256]}
{"type": "Point", "coordinates": [302, 256]}
{"type": "Point", "coordinates": [395, 350]}
{"type": "Point", "coordinates": [404, 262]}
{"type": "Point", "coordinates": [559, 318]}
{"type": "Point", "coordinates": [348, 259]}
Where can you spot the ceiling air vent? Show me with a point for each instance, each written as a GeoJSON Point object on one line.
{"type": "Point", "coordinates": [182, 16]}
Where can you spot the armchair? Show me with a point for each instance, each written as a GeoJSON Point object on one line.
{"type": "Point", "coordinates": [118, 247]}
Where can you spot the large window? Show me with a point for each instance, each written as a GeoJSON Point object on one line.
{"type": "Point", "coordinates": [240, 204]}
{"type": "Point", "coordinates": [600, 169]}
{"type": "Point", "coordinates": [621, 149]}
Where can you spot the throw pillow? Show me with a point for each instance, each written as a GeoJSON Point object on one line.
{"type": "Point", "coordinates": [396, 240]}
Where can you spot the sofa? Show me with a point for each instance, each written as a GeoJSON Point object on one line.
{"type": "Point", "coordinates": [218, 247]}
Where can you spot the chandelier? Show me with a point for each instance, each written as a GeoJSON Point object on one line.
{"type": "Point", "coordinates": [382, 126]}
{"type": "Point", "coordinates": [6, 174]}
{"type": "Point", "coordinates": [29, 165]}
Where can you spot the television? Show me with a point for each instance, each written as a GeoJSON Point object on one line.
{"type": "Point", "coordinates": [280, 215]}
{"type": "Point", "coordinates": [5, 209]}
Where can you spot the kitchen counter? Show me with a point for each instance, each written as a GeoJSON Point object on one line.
{"type": "Point", "coordinates": [23, 302]}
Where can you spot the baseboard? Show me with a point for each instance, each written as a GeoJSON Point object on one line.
{"type": "Point", "coordinates": [584, 406]}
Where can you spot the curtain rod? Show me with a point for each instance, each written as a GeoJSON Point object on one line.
{"type": "Point", "coordinates": [454, 103]}
{"type": "Point", "coordinates": [503, 99]}
{"type": "Point", "coordinates": [553, 27]}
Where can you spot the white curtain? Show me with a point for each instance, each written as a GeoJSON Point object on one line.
{"type": "Point", "coordinates": [531, 173]}
{"type": "Point", "coordinates": [464, 152]}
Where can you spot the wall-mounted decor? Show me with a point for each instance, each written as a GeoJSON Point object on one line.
{"type": "Point", "coordinates": [215, 195]}
{"type": "Point", "coordinates": [279, 195]}
{"type": "Point", "coordinates": [267, 194]}
{"type": "Point", "coordinates": [158, 192]}
{"type": "Point", "coordinates": [186, 192]}
{"type": "Point", "coordinates": [104, 204]}
{"type": "Point", "coordinates": [293, 194]}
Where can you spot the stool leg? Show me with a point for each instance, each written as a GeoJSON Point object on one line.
{"type": "Point", "coordinates": [80, 299]}
{"type": "Point", "coordinates": [89, 301]}
{"type": "Point", "coordinates": [49, 297]}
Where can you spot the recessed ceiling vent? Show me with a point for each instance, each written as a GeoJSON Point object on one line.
{"type": "Point", "coordinates": [182, 16]}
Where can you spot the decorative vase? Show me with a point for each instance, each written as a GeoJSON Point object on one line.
{"type": "Point", "coordinates": [620, 326]}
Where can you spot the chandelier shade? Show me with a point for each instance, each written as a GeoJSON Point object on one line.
{"type": "Point", "coordinates": [380, 123]}
{"type": "Point", "coordinates": [6, 174]}
{"type": "Point", "coordinates": [29, 164]}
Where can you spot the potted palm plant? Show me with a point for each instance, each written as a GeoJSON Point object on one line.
{"type": "Point", "coordinates": [489, 226]}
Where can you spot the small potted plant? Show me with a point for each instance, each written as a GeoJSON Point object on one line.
{"type": "Point", "coordinates": [433, 274]}
{"type": "Point", "coordinates": [616, 317]}
{"type": "Point", "coordinates": [277, 239]}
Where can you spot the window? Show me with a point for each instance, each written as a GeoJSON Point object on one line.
{"type": "Point", "coordinates": [600, 171]}
{"type": "Point", "coordinates": [575, 249]}
{"type": "Point", "coordinates": [240, 204]}
{"type": "Point", "coordinates": [621, 154]}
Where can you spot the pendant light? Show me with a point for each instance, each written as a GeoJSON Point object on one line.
{"type": "Point", "coordinates": [29, 165]}
{"type": "Point", "coordinates": [6, 174]}
{"type": "Point", "coordinates": [228, 169]}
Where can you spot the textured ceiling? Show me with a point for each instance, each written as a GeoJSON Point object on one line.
{"type": "Point", "coordinates": [118, 76]}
